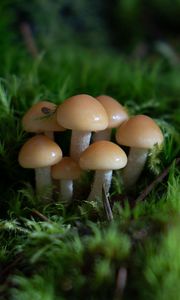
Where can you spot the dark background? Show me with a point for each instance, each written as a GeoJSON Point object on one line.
{"type": "Point", "coordinates": [130, 26]}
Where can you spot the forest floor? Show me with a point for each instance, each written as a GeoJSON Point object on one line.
{"type": "Point", "coordinates": [51, 251]}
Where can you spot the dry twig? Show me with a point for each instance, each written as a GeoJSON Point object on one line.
{"type": "Point", "coordinates": [29, 39]}
{"type": "Point", "coordinates": [120, 283]}
{"type": "Point", "coordinates": [107, 205]}
{"type": "Point", "coordinates": [40, 215]}
{"type": "Point", "coordinates": [160, 178]}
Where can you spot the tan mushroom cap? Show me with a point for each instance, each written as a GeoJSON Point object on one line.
{"type": "Point", "coordinates": [83, 113]}
{"type": "Point", "coordinates": [67, 168]}
{"type": "Point", "coordinates": [115, 111]}
{"type": "Point", "coordinates": [35, 120]}
{"type": "Point", "coordinates": [39, 151]}
{"type": "Point", "coordinates": [103, 155]}
{"type": "Point", "coordinates": [140, 132]}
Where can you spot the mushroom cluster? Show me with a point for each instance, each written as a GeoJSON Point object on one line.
{"type": "Point", "coordinates": [91, 121]}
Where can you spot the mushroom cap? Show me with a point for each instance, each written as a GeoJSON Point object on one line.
{"type": "Point", "coordinates": [38, 152]}
{"type": "Point", "coordinates": [35, 120]}
{"type": "Point", "coordinates": [83, 113]}
{"type": "Point", "coordinates": [115, 111]}
{"type": "Point", "coordinates": [140, 132]}
{"type": "Point", "coordinates": [67, 168]}
{"type": "Point", "coordinates": [103, 155]}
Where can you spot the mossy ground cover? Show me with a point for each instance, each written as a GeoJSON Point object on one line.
{"type": "Point", "coordinates": [50, 251]}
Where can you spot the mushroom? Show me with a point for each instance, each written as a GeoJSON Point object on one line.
{"type": "Point", "coordinates": [40, 153]}
{"type": "Point", "coordinates": [82, 114]}
{"type": "Point", "coordinates": [41, 118]}
{"type": "Point", "coordinates": [66, 171]}
{"type": "Point", "coordinates": [102, 156]}
{"type": "Point", "coordinates": [140, 133]}
{"type": "Point", "coordinates": [117, 114]}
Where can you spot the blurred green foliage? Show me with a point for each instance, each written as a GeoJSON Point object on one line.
{"type": "Point", "coordinates": [122, 24]}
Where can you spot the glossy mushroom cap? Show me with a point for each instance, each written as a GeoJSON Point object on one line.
{"type": "Point", "coordinates": [140, 132]}
{"type": "Point", "coordinates": [39, 151]}
{"type": "Point", "coordinates": [41, 117]}
{"type": "Point", "coordinates": [103, 155]}
{"type": "Point", "coordinates": [115, 111]}
{"type": "Point", "coordinates": [82, 113]}
{"type": "Point", "coordinates": [67, 168]}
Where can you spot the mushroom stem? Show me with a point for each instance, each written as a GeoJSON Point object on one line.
{"type": "Point", "coordinates": [79, 142]}
{"type": "Point", "coordinates": [101, 178]}
{"type": "Point", "coordinates": [43, 175]}
{"type": "Point", "coordinates": [43, 179]}
{"type": "Point", "coordinates": [102, 135]}
{"type": "Point", "coordinates": [49, 134]}
{"type": "Point", "coordinates": [136, 161]}
{"type": "Point", "coordinates": [66, 190]}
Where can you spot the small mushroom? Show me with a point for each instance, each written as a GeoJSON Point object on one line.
{"type": "Point", "coordinates": [102, 156]}
{"type": "Point", "coordinates": [82, 114]}
{"type": "Point", "coordinates": [41, 118]}
{"type": "Point", "coordinates": [66, 171]}
{"type": "Point", "coordinates": [117, 114]}
{"type": "Point", "coordinates": [40, 153]}
{"type": "Point", "coordinates": [140, 133]}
